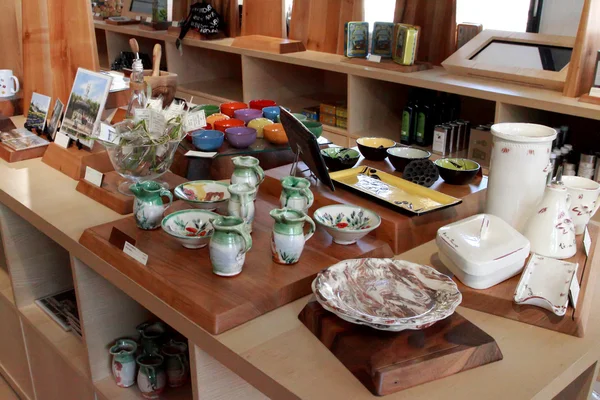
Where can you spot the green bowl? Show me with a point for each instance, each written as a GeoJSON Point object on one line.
{"type": "Point", "coordinates": [209, 109]}
{"type": "Point", "coordinates": [457, 171]}
{"type": "Point", "coordinates": [314, 126]}
{"type": "Point", "coordinates": [299, 117]}
{"type": "Point", "coordinates": [339, 158]}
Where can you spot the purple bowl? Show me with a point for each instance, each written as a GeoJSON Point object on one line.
{"type": "Point", "coordinates": [247, 114]}
{"type": "Point", "coordinates": [240, 137]}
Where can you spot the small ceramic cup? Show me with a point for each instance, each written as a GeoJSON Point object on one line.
{"type": "Point", "coordinates": [261, 103]}
{"type": "Point", "coordinates": [247, 114]}
{"type": "Point", "coordinates": [259, 124]}
{"type": "Point", "coordinates": [584, 200]}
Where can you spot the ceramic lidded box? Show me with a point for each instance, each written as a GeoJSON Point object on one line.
{"type": "Point", "coordinates": [482, 250]}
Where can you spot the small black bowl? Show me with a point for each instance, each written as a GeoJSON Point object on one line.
{"type": "Point", "coordinates": [374, 148]}
{"type": "Point", "coordinates": [401, 156]}
{"type": "Point", "coordinates": [457, 171]}
{"type": "Point", "coordinates": [339, 158]}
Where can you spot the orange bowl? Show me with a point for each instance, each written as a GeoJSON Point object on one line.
{"type": "Point", "coordinates": [229, 108]}
{"type": "Point", "coordinates": [223, 124]}
{"type": "Point", "coordinates": [275, 134]}
{"type": "Point", "coordinates": [211, 119]}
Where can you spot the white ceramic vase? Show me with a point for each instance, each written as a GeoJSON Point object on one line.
{"type": "Point", "coordinates": [518, 169]}
{"type": "Point", "coordinates": [584, 200]}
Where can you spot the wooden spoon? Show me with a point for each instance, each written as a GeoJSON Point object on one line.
{"type": "Point", "coordinates": [134, 46]}
{"type": "Point", "coordinates": [156, 56]}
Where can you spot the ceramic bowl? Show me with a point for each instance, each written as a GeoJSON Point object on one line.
{"type": "Point", "coordinates": [457, 171]}
{"type": "Point", "coordinates": [261, 103]}
{"type": "Point", "coordinates": [339, 158]}
{"type": "Point", "coordinates": [401, 156]}
{"type": "Point", "coordinates": [374, 148]}
{"type": "Point", "coordinates": [229, 108]}
{"type": "Point", "coordinates": [299, 117]}
{"type": "Point", "coordinates": [223, 124]}
{"type": "Point", "coordinates": [259, 124]}
{"type": "Point", "coordinates": [209, 109]}
{"type": "Point", "coordinates": [240, 137]}
{"type": "Point", "coordinates": [191, 228]}
{"type": "Point", "coordinates": [271, 112]}
{"type": "Point", "coordinates": [247, 114]}
{"type": "Point", "coordinates": [210, 120]}
{"type": "Point", "coordinates": [314, 126]}
{"type": "Point", "coordinates": [207, 140]}
{"type": "Point", "coordinates": [275, 134]}
{"type": "Point", "coordinates": [207, 195]}
{"type": "Point", "coordinates": [347, 223]}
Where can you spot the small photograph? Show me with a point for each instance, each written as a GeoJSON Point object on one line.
{"type": "Point", "coordinates": [38, 111]}
{"type": "Point", "coordinates": [86, 103]}
{"type": "Point", "coordinates": [27, 142]}
{"type": "Point", "coordinates": [56, 114]}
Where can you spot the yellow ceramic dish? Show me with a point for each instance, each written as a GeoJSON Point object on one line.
{"type": "Point", "coordinates": [393, 190]}
{"type": "Point", "coordinates": [376, 142]}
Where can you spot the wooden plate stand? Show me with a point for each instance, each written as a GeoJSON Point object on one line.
{"type": "Point", "coordinates": [109, 195]}
{"type": "Point", "coordinates": [10, 155]}
{"type": "Point", "coordinates": [268, 44]}
{"type": "Point", "coordinates": [72, 161]}
{"type": "Point", "coordinates": [389, 65]}
{"type": "Point", "coordinates": [387, 362]}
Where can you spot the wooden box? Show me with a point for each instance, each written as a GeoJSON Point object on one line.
{"type": "Point", "coordinates": [73, 161]}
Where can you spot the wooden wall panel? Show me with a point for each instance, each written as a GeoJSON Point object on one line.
{"type": "Point", "coordinates": [11, 56]}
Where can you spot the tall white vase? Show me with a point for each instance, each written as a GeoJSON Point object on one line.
{"type": "Point", "coordinates": [518, 170]}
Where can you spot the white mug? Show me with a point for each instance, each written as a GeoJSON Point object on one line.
{"type": "Point", "coordinates": [6, 89]}
{"type": "Point", "coordinates": [584, 200]}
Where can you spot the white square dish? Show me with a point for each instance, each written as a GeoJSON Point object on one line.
{"type": "Point", "coordinates": [545, 283]}
{"type": "Point", "coordinates": [482, 250]}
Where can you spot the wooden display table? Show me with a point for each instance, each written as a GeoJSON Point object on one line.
{"type": "Point", "coordinates": [401, 231]}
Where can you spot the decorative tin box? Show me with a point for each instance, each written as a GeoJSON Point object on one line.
{"type": "Point", "coordinates": [404, 50]}
{"type": "Point", "coordinates": [383, 33]}
{"type": "Point", "coordinates": [356, 39]}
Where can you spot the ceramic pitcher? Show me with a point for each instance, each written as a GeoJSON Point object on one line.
{"type": "Point", "coordinates": [550, 229]}
{"type": "Point", "coordinates": [229, 245]}
{"type": "Point", "coordinates": [151, 378]}
{"type": "Point", "coordinates": [152, 336]}
{"type": "Point", "coordinates": [519, 165]}
{"type": "Point", "coordinates": [148, 207]}
{"type": "Point", "coordinates": [288, 238]}
{"type": "Point", "coordinates": [176, 363]}
{"type": "Point", "coordinates": [584, 200]}
{"type": "Point", "coordinates": [296, 194]}
{"type": "Point", "coordinates": [241, 203]}
{"type": "Point", "coordinates": [247, 170]}
{"type": "Point", "coordinates": [123, 362]}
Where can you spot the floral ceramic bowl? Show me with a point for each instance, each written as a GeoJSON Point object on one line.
{"type": "Point", "coordinates": [346, 223]}
{"type": "Point", "coordinates": [191, 228]}
{"type": "Point", "coordinates": [207, 195]}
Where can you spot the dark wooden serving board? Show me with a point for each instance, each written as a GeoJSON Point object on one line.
{"type": "Point", "coordinates": [387, 362]}
{"type": "Point", "coordinates": [183, 278]}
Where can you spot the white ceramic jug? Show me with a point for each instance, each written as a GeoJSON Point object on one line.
{"type": "Point", "coordinates": [518, 170]}
{"type": "Point", "coordinates": [7, 80]}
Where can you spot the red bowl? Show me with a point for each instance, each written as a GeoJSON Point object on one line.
{"type": "Point", "coordinates": [262, 103]}
{"type": "Point", "coordinates": [229, 108]}
{"type": "Point", "coordinates": [223, 124]}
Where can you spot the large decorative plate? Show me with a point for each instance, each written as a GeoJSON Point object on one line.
{"type": "Point", "coordinates": [386, 294]}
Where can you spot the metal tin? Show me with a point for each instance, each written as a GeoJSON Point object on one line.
{"type": "Point", "coordinates": [453, 136]}
{"type": "Point", "coordinates": [341, 122]}
{"type": "Point", "coordinates": [311, 112]}
{"type": "Point", "coordinates": [404, 49]}
{"type": "Point", "coordinates": [441, 140]}
{"type": "Point", "coordinates": [462, 135]}
{"type": "Point", "coordinates": [381, 43]}
{"type": "Point", "coordinates": [356, 39]}
{"type": "Point", "coordinates": [327, 119]}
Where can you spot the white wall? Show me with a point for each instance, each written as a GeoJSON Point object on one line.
{"type": "Point", "coordinates": [561, 17]}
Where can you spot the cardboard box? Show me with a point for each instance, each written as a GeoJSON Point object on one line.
{"type": "Point", "coordinates": [327, 119]}
{"type": "Point", "coordinates": [480, 145]}
{"type": "Point", "coordinates": [341, 122]}
{"type": "Point", "coordinates": [311, 112]}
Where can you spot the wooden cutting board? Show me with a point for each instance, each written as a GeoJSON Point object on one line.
{"type": "Point", "coordinates": [264, 17]}
{"type": "Point", "coordinates": [388, 362]}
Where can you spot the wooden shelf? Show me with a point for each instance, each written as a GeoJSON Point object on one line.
{"type": "Point", "coordinates": [108, 390]}
{"type": "Point", "coordinates": [70, 348]}
{"type": "Point", "coordinates": [219, 90]}
{"type": "Point", "coordinates": [5, 286]}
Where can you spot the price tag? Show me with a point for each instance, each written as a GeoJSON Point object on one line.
{"type": "Point", "coordinates": [195, 121]}
{"type": "Point", "coordinates": [62, 140]}
{"type": "Point", "coordinates": [155, 104]}
{"type": "Point", "coordinates": [108, 133]}
{"type": "Point", "coordinates": [138, 18]}
{"type": "Point", "coordinates": [587, 241]}
{"type": "Point", "coordinates": [141, 114]}
{"type": "Point", "coordinates": [374, 58]}
{"type": "Point", "coordinates": [149, 20]}
{"type": "Point", "coordinates": [96, 14]}
{"type": "Point", "coordinates": [135, 253]}
{"type": "Point", "coordinates": [158, 124]}
{"type": "Point", "coordinates": [200, 154]}
{"type": "Point", "coordinates": [175, 24]}
{"type": "Point", "coordinates": [574, 290]}
{"type": "Point", "coordinates": [94, 177]}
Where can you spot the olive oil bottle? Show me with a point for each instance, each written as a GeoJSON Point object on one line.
{"type": "Point", "coordinates": [409, 122]}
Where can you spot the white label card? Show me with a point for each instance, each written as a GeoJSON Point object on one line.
{"type": "Point", "coordinates": [108, 133]}
{"type": "Point", "coordinates": [200, 154]}
{"type": "Point", "coordinates": [62, 140]}
{"type": "Point", "coordinates": [195, 121]}
{"type": "Point", "coordinates": [148, 19]}
{"type": "Point", "coordinates": [574, 290]}
{"type": "Point", "coordinates": [138, 18]}
{"type": "Point", "coordinates": [374, 58]}
{"type": "Point", "coordinates": [141, 114]}
{"type": "Point", "coordinates": [155, 104]}
{"type": "Point", "coordinates": [587, 241]}
{"type": "Point", "coordinates": [93, 176]}
{"type": "Point", "coordinates": [175, 24]}
{"type": "Point", "coordinates": [158, 124]}
{"type": "Point", "coordinates": [135, 253]}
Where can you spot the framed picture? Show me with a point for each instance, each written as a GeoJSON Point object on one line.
{"type": "Point", "coordinates": [56, 114]}
{"type": "Point", "coordinates": [38, 112]}
{"type": "Point", "coordinates": [85, 106]}
{"type": "Point", "coordinates": [143, 8]}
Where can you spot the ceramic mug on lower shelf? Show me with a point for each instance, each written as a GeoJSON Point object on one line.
{"type": "Point", "coordinates": [584, 200]}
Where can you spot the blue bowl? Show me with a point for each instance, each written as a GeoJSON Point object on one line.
{"type": "Point", "coordinates": [207, 140]}
{"type": "Point", "coordinates": [271, 112]}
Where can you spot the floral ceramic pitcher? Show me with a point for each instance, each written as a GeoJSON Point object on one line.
{"type": "Point", "coordinates": [148, 207]}
{"type": "Point", "coordinates": [247, 171]}
{"type": "Point", "coordinates": [288, 238]}
{"type": "Point", "coordinates": [152, 336]}
{"type": "Point", "coordinates": [176, 363]}
{"type": "Point", "coordinates": [241, 202]}
{"type": "Point", "coordinates": [229, 245]}
{"type": "Point", "coordinates": [296, 194]}
{"type": "Point", "coordinates": [151, 378]}
{"type": "Point", "coordinates": [123, 362]}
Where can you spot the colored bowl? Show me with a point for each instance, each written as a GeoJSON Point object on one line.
{"type": "Point", "coordinates": [299, 117]}
{"type": "Point", "coordinates": [247, 114]}
{"type": "Point", "coordinates": [210, 120]}
{"type": "Point", "coordinates": [209, 109]}
{"type": "Point", "coordinates": [261, 103]}
{"type": "Point", "coordinates": [275, 134]}
{"type": "Point", "coordinates": [223, 124]}
{"type": "Point", "coordinates": [374, 148]}
{"type": "Point", "coordinates": [457, 171]}
{"type": "Point", "coordinates": [240, 137]}
{"type": "Point", "coordinates": [271, 112]}
{"type": "Point", "coordinates": [259, 124]}
{"type": "Point", "coordinates": [191, 228]}
{"type": "Point", "coordinates": [314, 126]}
{"type": "Point", "coordinates": [229, 108]}
{"type": "Point", "coordinates": [207, 140]}
{"type": "Point", "coordinates": [401, 156]}
{"type": "Point", "coordinates": [339, 158]}
{"type": "Point", "coordinates": [346, 223]}
{"type": "Point", "coordinates": [207, 195]}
